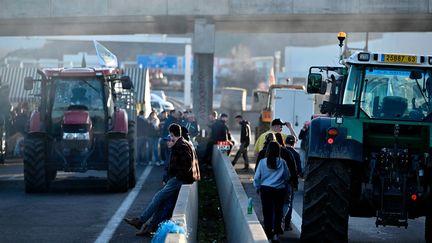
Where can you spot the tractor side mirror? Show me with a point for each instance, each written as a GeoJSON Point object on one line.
{"type": "Point", "coordinates": [28, 83]}
{"type": "Point", "coordinates": [126, 82]}
{"type": "Point", "coordinates": [415, 75]}
{"type": "Point", "coordinates": [315, 84]}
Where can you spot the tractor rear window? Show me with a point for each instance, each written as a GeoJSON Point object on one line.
{"type": "Point", "coordinates": [396, 93]}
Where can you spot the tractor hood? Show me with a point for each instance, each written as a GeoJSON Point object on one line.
{"type": "Point", "coordinates": [77, 117]}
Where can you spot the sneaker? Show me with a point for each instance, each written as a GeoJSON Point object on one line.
{"type": "Point", "coordinates": [135, 222]}
{"type": "Point", "coordinates": [144, 230]}
{"type": "Point", "coordinates": [158, 163]}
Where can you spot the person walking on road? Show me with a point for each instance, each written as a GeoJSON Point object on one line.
{"type": "Point", "coordinates": [245, 132]}
{"type": "Point", "coordinates": [262, 153]}
{"type": "Point", "coordinates": [270, 180]}
{"type": "Point", "coordinates": [289, 145]}
{"type": "Point", "coordinates": [183, 169]}
{"type": "Point", "coordinates": [276, 126]}
{"type": "Point", "coordinates": [289, 158]}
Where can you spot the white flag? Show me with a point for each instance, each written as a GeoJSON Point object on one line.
{"type": "Point", "coordinates": [105, 57]}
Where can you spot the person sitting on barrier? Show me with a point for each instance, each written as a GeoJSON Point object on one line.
{"type": "Point", "coordinates": [183, 169]}
{"type": "Point", "coordinates": [270, 180]}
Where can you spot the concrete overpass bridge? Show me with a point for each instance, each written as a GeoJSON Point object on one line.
{"type": "Point", "coordinates": [82, 17]}
{"type": "Point", "coordinates": [205, 17]}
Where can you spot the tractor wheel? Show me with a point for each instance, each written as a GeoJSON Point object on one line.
{"type": "Point", "coordinates": [118, 165]}
{"type": "Point", "coordinates": [326, 201]}
{"type": "Point", "coordinates": [34, 165]}
{"type": "Point", "coordinates": [51, 174]}
{"type": "Point", "coordinates": [131, 140]}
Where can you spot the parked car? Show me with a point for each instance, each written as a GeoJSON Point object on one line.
{"type": "Point", "coordinates": [159, 93]}
{"type": "Point", "coordinates": [159, 104]}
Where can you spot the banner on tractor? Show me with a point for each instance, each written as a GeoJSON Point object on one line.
{"type": "Point", "coordinates": [105, 57]}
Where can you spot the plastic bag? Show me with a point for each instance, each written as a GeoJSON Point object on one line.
{"type": "Point", "coordinates": [166, 227]}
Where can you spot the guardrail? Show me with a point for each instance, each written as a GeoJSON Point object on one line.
{"type": "Point", "coordinates": [239, 225]}
{"type": "Point", "coordinates": [186, 213]}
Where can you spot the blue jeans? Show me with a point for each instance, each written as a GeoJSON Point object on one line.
{"type": "Point", "coordinates": [159, 200]}
{"type": "Point", "coordinates": [165, 211]}
{"type": "Point", "coordinates": [153, 143]}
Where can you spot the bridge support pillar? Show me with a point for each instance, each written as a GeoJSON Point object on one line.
{"type": "Point", "coordinates": [202, 80]}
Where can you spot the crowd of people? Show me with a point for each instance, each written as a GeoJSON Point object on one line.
{"type": "Point", "coordinates": [152, 133]}
{"type": "Point", "coordinates": [277, 169]}
{"type": "Point", "coordinates": [16, 124]}
{"type": "Point", "coordinates": [167, 139]}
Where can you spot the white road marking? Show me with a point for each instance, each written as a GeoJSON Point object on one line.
{"type": "Point", "coordinates": [296, 220]}
{"type": "Point", "coordinates": [117, 218]}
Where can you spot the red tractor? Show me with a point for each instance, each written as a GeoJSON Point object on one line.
{"type": "Point", "coordinates": [81, 124]}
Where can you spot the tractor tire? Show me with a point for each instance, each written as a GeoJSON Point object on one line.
{"type": "Point", "coordinates": [428, 229]}
{"type": "Point", "coordinates": [35, 178]}
{"type": "Point", "coordinates": [118, 165]}
{"type": "Point", "coordinates": [131, 140]}
{"type": "Point", "coordinates": [326, 201]}
{"type": "Point", "coordinates": [51, 174]}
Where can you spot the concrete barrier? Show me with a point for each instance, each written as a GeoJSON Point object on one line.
{"type": "Point", "coordinates": [239, 225]}
{"type": "Point", "coordinates": [186, 213]}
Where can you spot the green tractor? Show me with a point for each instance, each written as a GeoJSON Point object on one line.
{"type": "Point", "coordinates": [371, 156]}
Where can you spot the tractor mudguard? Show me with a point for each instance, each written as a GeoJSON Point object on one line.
{"type": "Point", "coordinates": [341, 148]}
{"type": "Point", "coordinates": [120, 123]}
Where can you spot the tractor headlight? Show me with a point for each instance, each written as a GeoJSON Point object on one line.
{"type": "Point", "coordinates": [76, 136]}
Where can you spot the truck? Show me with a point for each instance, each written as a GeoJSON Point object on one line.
{"type": "Point", "coordinates": [370, 157]}
{"type": "Point", "coordinates": [85, 121]}
{"type": "Point", "coordinates": [290, 103]}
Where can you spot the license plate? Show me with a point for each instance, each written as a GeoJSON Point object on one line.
{"type": "Point", "coordinates": [399, 58]}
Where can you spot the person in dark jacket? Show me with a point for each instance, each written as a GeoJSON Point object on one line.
{"type": "Point", "coordinates": [220, 132]}
{"type": "Point", "coordinates": [288, 156]}
{"type": "Point", "coordinates": [289, 145]}
{"type": "Point", "coordinates": [191, 125]}
{"type": "Point", "coordinates": [245, 132]}
{"type": "Point", "coordinates": [173, 117]}
{"type": "Point", "coordinates": [183, 169]}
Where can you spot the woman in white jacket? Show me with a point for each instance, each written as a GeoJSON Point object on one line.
{"type": "Point", "coordinates": [271, 179]}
